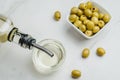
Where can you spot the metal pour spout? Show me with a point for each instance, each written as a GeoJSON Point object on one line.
{"type": "Point", "coordinates": [43, 49]}
{"type": "Point", "coordinates": [26, 41]}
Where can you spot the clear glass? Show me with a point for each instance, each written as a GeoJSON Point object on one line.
{"type": "Point", "coordinates": [43, 62]}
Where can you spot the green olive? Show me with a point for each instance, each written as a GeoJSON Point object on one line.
{"type": "Point", "coordinates": [88, 33]}
{"type": "Point", "coordinates": [96, 29]}
{"type": "Point", "coordinates": [77, 18]}
{"type": "Point", "coordinates": [74, 10]}
{"type": "Point", "coordinates": [101, 23]}
{"type": "Point", "coordinates": [73, 18]}
{"type": "Point", "coordinates": [101, 15]}
{"type": "Point", "coordinates": [82, 28]}
{"type": "Point", "coordinates": [57, 15]}
{"type": "Point", "coordinates": [80, 12]}
{"type": "Point", "coordinates": [77, 23]}
{"type": "Point", "coordinates": [83, 6]}
{"type": "Point", "coordinates": [95, 14]}
{"type": "Point", "coordinates": [100, 51]}
{"type": "Point", "coordinates": [85, 21]}
{"type": "Point", "coordinates": [106, 18]}
{"type": "Point", "coordinates": [95, 20]}
{"type": "Point", "coordinates": [76, 74]}
{"type": "Point", "coordinates": [90, 25]}
{"type": "Point", "coordinates": [85, 53]}
{"type": "Point", "coordinates": [89, 5]}
{"type": "Point", "coordinates": [94, 9]}
{"type": "Point", "coordinates": [83, 17]}
{"type": "Point", "coordinates": [88, 12]}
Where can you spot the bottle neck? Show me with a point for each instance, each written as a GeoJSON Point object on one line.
{"type": "Point", "coordinates": [24, 40]}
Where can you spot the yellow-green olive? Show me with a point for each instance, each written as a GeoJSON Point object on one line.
{"type": "Point", "coordinates": [57, 15]}
{"type": "Point", "coordinates": [106, 18]}
{"type": "Point", "coordinates": [95, 20]}
{"type": "Point", "coordinates": [95, 14]}
{"type": "Point", "coordinates": [101, 15]}
{"type": "Point", "coordinates": [89, 5]}
{"type": "Point", "coordinates": [73, 18]}
{"type": "Point", "coordinates": [77, 23]}
{"type": "Point", "coordinates": [74, 10]}
{"type": "Point", "coordinates": [83, 6]}
{"type": "Point", "coordinates": [88, 12]}
{"type": "Point", "coordinates": [83, 17]}
{"type": "Point", "coordinates": [85, 53]}
{"type": "Point", "coordinates": [80, 12]}
{"type": "Point", "coordinates": [94, 9]}
{"type": "Point", "coordinates": [88, 33]}
{"type": "Point", "coordinates": [101, 23]}
{"type": "Point", "coordinates": [100, 51]}
{"type": "Point", "coordinates": [90, 25]}
{"type": "Point", "coordinates": [82, 28]}
{"type": "Point", "coordinates": [85, 21]}
{"type": "Point", "coordinates": [77, 18]}
{"type": "Point", "coordinates": [76, 74]}
{"type": "Point", "coordinates": [96, 29]}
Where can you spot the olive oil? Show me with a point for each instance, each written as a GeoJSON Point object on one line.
{"type": "Point", "coordinates": [44, 63]}
{"type": "Point", "coordinates": [5, 27]}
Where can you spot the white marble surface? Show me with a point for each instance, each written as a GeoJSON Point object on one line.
{"type": "Point", "coordinates": [36, 18]}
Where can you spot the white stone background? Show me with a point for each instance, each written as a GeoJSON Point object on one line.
{"type": "Point", "coordinates": [36, 18]}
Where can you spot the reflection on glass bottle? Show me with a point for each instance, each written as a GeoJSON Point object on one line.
{"type": "Point", "coordinates": [5, 27]}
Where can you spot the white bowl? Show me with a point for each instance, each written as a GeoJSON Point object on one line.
{"type": "Point", "coordinates": [101, 9]}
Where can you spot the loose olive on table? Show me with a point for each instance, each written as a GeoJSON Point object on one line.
{"type": "Point", "coordinates": [57, 15]}
{"type": "Point", "coordinates": [76, 74]}
{"type": "Point", "coordinates": [85, 53]}
{"type": "Point", "coordinates": [100, 51]}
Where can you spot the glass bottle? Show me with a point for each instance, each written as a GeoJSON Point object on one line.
{"type": "Point", "coordinates": [12, 34]}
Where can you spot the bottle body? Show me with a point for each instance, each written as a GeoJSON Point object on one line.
{"type": "Point", "coordinates": [5, 27]}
